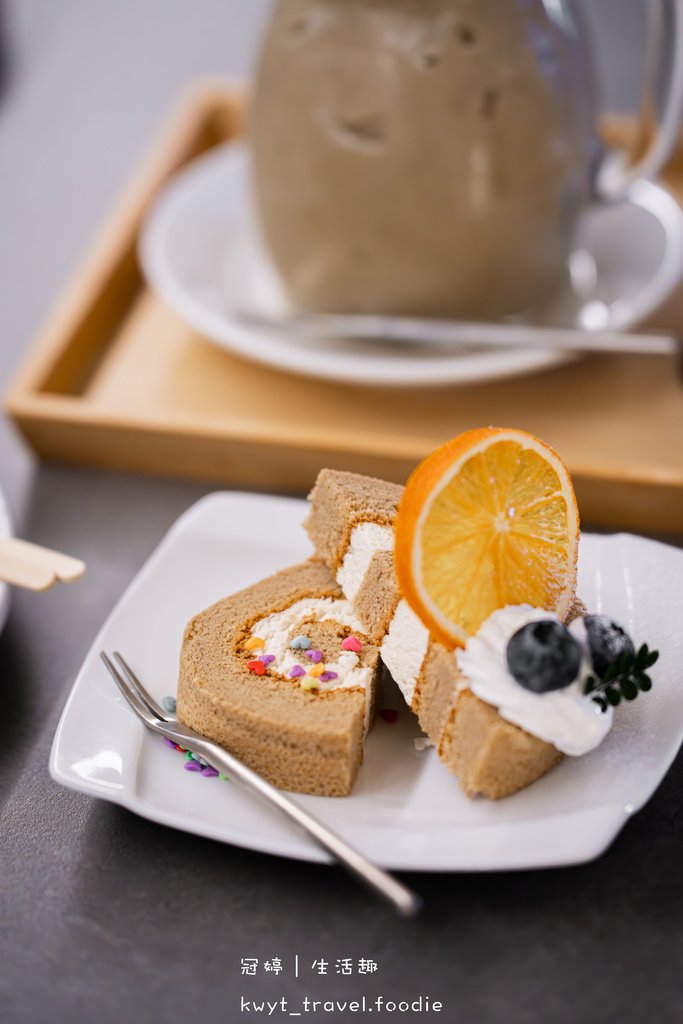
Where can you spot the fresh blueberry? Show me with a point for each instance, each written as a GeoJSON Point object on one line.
{"type": "Point", "coordinates": [607, 642]}
{"type": "Point", "coordinates": [543, 656]}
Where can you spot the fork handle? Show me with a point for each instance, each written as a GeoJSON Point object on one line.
{"type": "Point", "coordinates": [407, 902]}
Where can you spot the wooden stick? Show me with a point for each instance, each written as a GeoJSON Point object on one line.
{"type": "Point", "coordinates": [34, 567]}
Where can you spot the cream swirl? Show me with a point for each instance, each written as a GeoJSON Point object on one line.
{"type": "Point", "coordinates": [567, 718]}
{"type": "Point", "coordinates": [276, 629]}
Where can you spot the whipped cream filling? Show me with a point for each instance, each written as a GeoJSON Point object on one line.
{"type": "Point", "coordinates": [567, 718]}
{"type": "Point", "coordinates": [404, 648]}
{"type": "Point", "coordinates": [405, 645]}
{"type": "Point", "coordinates": [365, 541]}
{"type": "Point", "coordinates": [276, 630]}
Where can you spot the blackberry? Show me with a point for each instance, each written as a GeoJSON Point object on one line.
{"type": "Point", "coordinates": [607, 642]}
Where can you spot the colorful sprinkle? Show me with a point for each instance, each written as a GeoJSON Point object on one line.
{"type": "Point", "coordinates": [300, 643]}
{"type": "Point", "coordinates": [255, 643]}
{"type": "Point", "coordinates": [316, 670]}
{"type": "Point", "coordinates": [352, 643]}
{"type": "Point", "coordinates": [389, 715]}
{"type": "Point", "coordinates": [308, 683]}
{"type": "Point", "coordinates": [297, 671]}
{"type": "Point", "coordinates": [316, 656]}
{"type": "Point", "coordinates": [266, 658]}
{"type": "Point", "coordinates": [327, 677]}
{"type": "Point", "coordinates": [256, 666]}
{"type": "Point", "coordinates": [193, 763]}
{"type": "Point", "coordinates": [169, 705]}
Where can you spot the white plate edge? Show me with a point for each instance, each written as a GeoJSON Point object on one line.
{"type": "Point", "coordinates": [611, 815]}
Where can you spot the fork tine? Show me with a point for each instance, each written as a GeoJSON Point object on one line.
{"type": "Point", "coordinates": [140, 691]}
{"type": "Point", "coordinates": [127, 693]}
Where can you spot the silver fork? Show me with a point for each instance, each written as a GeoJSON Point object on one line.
{"type": "Point", "coordinates": [404, 900]}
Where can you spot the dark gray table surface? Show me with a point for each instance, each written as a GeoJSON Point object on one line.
{"type": "Point", "coordinates": [105, 916]}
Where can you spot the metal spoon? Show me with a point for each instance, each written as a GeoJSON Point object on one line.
{"type": "Point", "coordinates": [461, 333]}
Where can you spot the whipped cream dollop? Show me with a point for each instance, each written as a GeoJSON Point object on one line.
{"type": "Point", "coordinates": [567, 718]}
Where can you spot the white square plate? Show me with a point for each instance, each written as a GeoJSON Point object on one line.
{"type": "Point", "coordinates": [406, 811]}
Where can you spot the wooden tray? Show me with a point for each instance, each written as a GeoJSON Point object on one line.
{"type": "Point", "coordinates": [117, 380]}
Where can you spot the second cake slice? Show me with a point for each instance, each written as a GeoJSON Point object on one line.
{"type": "Point", "coordinates": [351, 523]}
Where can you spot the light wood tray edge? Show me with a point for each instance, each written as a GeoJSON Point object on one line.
{"type": "Point", "coordinates": [249, 462]}
{"type": "Point", "coordinates": [62, 427]}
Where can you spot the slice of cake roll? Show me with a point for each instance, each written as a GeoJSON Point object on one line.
{"type": "Point", "coordinates": [495, 735]}
{"type": "Point", "coordinates": [283, 675]}
{"type": "Point", "coordinates": [351, 525]}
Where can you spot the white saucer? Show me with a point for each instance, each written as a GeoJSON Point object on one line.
{"type": "Point", "coordinates": [5, 531]}
{"type": "Point", "coordinates": [406, 810]}
{"type": "Point", "coordinates": [200, 251]}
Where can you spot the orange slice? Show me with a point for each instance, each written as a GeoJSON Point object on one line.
{"type": "Point", "coordinates": [488, 519]}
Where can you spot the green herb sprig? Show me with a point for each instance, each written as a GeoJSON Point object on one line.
{"type": "Point", "coordinates": [623, 680]}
